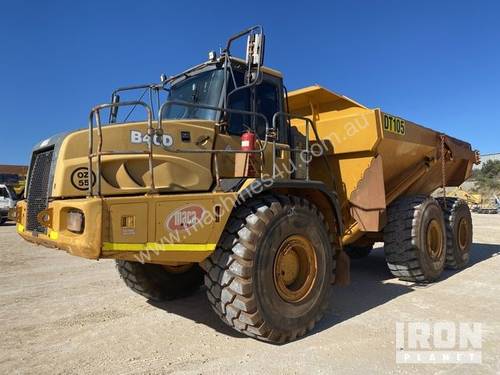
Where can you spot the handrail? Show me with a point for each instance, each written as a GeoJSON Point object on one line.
{"type": "Point", "coordinates": [309, 123]}
{"type": "Point", "coordinates": [215, 152]}
{"type": "Point", "coordinates": [307, 151]}
{"type": "Point", "coordinates": [152, 132]}
{"type": "Point", "coordinates": [227, 63]}
{"type": "Point", "coordinates": [150, 87]}
{"type": "Point", "coordinates": [269, 137]}
{"type": "Point", "coordinates": [215, 108]}
{"type": "Point", "coordinates": [96, 110]}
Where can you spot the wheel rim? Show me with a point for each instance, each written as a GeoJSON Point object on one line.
{"type": "Point", "coordinates": [463, 234]}
{"type": "Point", "coordinates": [295, 268]}
{"type": "Point", "coordinates": [434, 240]}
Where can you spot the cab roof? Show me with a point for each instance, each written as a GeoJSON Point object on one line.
{"type": "Point", "coordinates": [265, 69]}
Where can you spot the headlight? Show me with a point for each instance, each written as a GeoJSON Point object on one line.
{"type": "Point", "coordinates": [75, 221]}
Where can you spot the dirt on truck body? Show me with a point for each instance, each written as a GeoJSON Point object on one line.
{"type": "Point", "coordinates": [258, 193]}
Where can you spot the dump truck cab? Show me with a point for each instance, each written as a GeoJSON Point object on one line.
{"type": "Point", "coordinates": [122, 186]}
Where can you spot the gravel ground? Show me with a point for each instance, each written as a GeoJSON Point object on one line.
{"type": "Point", "coordinates": [61, 314]}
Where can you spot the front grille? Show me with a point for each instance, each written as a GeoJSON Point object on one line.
{"type": "Point", "coordinates": [38, 188]}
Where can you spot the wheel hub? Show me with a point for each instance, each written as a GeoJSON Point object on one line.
{"type": "Point", "coordinates": [295, 268]}
{"type": "Point", "coordinates": [463, 234]}
{"type": "Point", "coordinates": [434, 240]}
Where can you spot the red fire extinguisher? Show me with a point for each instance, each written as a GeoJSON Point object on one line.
{"type": "Point", "coordinates": [248, 141]}
{"type": "Point", "coordinates": [248, 144]}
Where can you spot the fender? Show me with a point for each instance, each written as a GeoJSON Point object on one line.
{"type": "Point", "coordinates": [258, 186]}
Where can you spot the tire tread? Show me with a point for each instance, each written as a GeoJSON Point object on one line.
{"type": "Point", "coordinates": [229, 278]}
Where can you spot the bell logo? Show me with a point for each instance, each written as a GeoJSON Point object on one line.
{"type": "Point", "coordinates": [185, 217]}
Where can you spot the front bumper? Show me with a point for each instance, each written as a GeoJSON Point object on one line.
{"type": "Point", "coordinates": [86, 244]}
{"type": "Point", "coordinates": [138, 228]}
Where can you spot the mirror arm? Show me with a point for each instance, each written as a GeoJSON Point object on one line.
{"type": "Point", "coordinates": [113, 112]}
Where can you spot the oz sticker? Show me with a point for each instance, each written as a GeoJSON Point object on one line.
{"type": "Point", "coordinates": [80, 178]}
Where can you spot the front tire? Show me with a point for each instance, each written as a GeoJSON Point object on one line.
{"type": "Point", "coordinates": [160, 283]}
{"type": "Point", "coordinates": [415, 241]}
{"type": "Point", "coordinates": [270, 275]}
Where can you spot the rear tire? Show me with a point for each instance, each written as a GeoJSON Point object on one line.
{"type": "Point", "coordinates": [270, 275]}
{"type": "Point", "coordinates": [2, 221]}
{"type": "Point", "coordinates": [458, 224]}
{"type": "Point", "coordinates": [415, 240]}
{"type": "Point", "coordinates": [156, 283]}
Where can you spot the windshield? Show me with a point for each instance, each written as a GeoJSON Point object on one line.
{"type": "Point", "coordinates": [203, 88]}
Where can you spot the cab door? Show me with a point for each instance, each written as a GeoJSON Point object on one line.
{"type": "Point", "coordinates": [267, 99]}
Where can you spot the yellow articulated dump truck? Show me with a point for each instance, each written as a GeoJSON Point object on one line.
{"type": "Point", "coordinates": [225, 178]}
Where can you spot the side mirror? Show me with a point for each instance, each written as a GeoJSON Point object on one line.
{"type": "Point", "coordinates": [255, 49]}
{"type": "Point", "coordinates": [255, 55]}
{"type": "Point", "coordinates": [114, 110]}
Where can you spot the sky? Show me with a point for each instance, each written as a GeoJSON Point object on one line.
{"type": "Point", "coordinates": [436, 63]}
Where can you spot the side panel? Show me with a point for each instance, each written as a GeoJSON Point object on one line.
{"type": "Point", "coordinates": [166, 228]}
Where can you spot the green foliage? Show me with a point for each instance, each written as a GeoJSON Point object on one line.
{"type": "Point", "coordinates": [488, 177]}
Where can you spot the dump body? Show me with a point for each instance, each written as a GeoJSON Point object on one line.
{"type": "Point", "coordinates": [376, 157]}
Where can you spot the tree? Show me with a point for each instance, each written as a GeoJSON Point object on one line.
{"type": "Point", "coordinates": [488, 177]}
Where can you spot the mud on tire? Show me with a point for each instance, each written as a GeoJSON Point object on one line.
{"type": "Point", "coordinates": [239, 274]}
{"type": "Point", "coordinates": [458, 224]}
{"type": "Point", "coordinates": [156, 283]}
{"type": "Point", "coordinates": [415, 244]}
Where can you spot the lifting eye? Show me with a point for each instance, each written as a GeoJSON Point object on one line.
{"type": "Point", "coordinates": [45, 218]}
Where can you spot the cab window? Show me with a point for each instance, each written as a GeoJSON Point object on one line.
{"type": "Point", "coordinates": [267, 103]}
{"type": "Point", "coordinates": [239, 100]}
